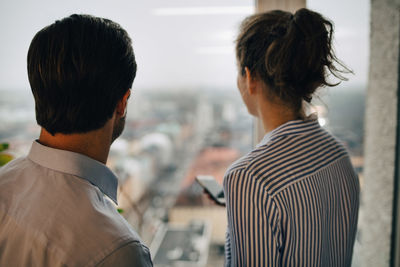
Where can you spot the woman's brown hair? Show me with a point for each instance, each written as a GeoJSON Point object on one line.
{"type": "Point", "coordinates": [291, 54]}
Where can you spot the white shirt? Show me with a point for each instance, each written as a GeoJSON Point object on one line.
{"type": "Point", "coordinates": [53, 212]}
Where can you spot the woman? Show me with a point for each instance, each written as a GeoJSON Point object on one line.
{"type": "Point", "coordinates": [293, 200]}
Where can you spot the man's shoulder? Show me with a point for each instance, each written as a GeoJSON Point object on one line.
{"type": "Point", "coordinates": [110, 222]}
{"type": "Point", "coordinates": [14, 165]}
{"type": "Point", "coordinates": [92, 221]}
{"type": "Point", "coordinates": [131, 254]}
{"type": "Point", "coordinates": [68, 215]}
{"type": "Point", "coordinates": [14, 169]}
{"type": "Point", "coordinates": [97, 228]}
{"type": "Point", "coordinates": [107, 232]}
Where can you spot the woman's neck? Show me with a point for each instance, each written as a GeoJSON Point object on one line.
{"type": "Point", "coordinates": [273, 114]}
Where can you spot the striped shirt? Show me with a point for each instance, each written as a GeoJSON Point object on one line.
{"type": "Point", "coordinates": [292, 201]}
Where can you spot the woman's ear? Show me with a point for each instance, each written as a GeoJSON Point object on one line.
{"type": "Point", "coordinates": [251, 83]}
{"type": "Point", "coordinates": [122, 104]}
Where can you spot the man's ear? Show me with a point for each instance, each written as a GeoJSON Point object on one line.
{"type": "Point", "coordinates": [123, 104]}
{"type": "Point", "coordinates": [250, 82]}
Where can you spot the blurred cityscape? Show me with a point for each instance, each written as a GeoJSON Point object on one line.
{"type": "Point", "coordinates": [169, 138]}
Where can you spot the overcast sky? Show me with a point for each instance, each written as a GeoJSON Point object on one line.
{"type": "Point", "coordinates": [178, 44]}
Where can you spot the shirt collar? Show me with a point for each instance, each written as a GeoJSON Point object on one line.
{"type": "Point", "coordinates": [76, 164]}
{"type": "Point", "coordinates": [293, 127]}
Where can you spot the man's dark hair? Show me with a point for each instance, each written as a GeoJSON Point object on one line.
{"type": "Point", "coordinates": [79, 68]}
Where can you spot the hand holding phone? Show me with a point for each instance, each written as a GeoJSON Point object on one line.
{"type": "Point", "coordinates": [212, 187]}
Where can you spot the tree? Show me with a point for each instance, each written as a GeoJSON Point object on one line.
{"type": "Point", "coordinates": [4, 157]}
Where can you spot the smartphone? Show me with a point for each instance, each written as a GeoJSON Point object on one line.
{"type": "Point", "coordinates": [213, 188]}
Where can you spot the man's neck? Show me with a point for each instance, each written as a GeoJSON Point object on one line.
{"type": "Point", "coordinates": [94, 144]}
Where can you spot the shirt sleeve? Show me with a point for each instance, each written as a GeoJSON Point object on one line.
{"type": "Point", "coordinates": [131, 254]}
{"type": "Point", "coordinates": [227, 249]}
{"type": "Point", "coordinates": [253, 221]}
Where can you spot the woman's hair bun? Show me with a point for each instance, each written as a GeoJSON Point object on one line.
{"type": "Point", "coordinates": [291, 53]}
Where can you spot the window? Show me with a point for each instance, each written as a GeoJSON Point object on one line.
{"type": "Point", "coordinates": [341, 109]}
{"type": "Point", "coordinates": [185, 115]}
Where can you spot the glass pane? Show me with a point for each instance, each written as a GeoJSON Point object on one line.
{"type": "Point", "coordinates": [185, 116]}
{"type": "Point", "coordinates": [341, 108]}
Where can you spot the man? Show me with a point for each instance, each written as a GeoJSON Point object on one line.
{"type": "Point", "coordinates": [54, 209]}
